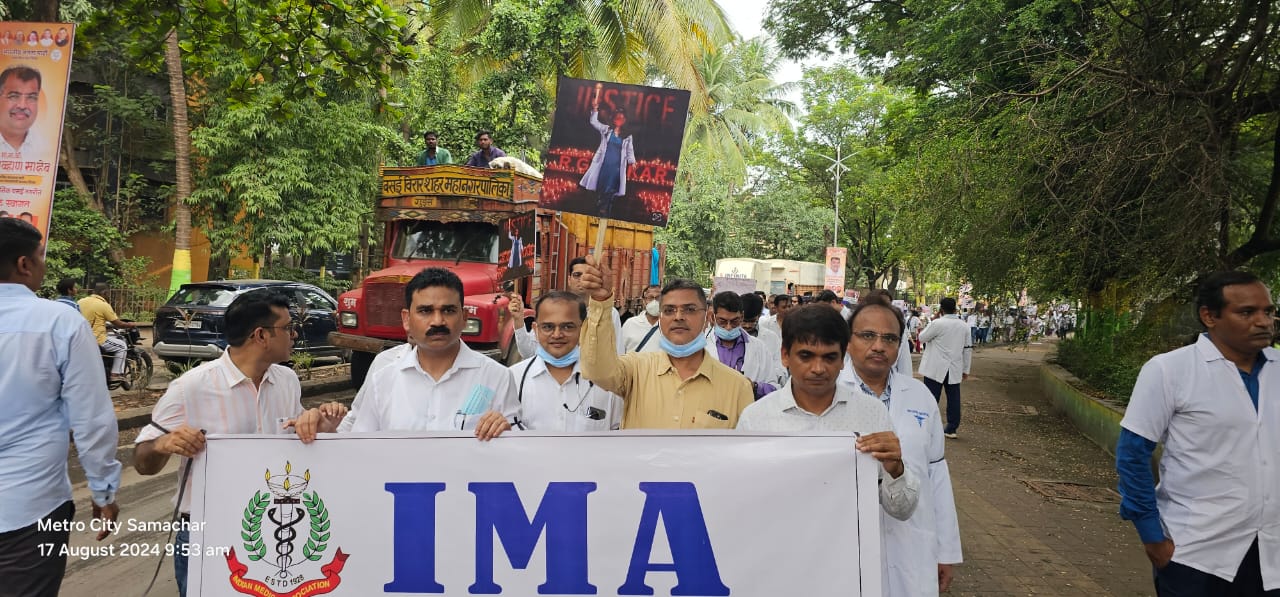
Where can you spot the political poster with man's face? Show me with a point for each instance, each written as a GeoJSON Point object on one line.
{"type": "Point", "coordinates": [516, 247]}
{"type": "Point", "coordinates": [833, 276]}
{"type": "Point", "coordinates": [34, 66]}
{"type": "Point", "coordinates": [614, 150]}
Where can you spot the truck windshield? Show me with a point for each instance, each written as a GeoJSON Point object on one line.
{"type": "Point", "coordinates": [425, 239]}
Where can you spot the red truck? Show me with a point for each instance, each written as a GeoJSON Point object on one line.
{"type": "Point", "coordinates": [448, 216]}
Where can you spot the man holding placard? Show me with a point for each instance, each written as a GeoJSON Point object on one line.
{"type": "Point", "coordinates": [682, 387]}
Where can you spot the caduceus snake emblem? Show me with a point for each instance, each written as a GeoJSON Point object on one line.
{"type": "Point", "coordinates": [285, 490]}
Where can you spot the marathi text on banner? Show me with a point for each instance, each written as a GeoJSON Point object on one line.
{"type": "Point", "coordinates": [35, 63]}
{"type": "Point", "coordinates": [624, 513]}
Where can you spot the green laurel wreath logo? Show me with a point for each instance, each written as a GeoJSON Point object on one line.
{"type": "Point", "coordinates": [317, 542]}
{"type": "Point", "coordinates": [251, 525]}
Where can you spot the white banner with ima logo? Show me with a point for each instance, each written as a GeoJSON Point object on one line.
{"type": "Point", "coordinates": [624, 513]}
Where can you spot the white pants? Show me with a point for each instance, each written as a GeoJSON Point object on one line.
{"type": "Point", "coordinates": [117, 349]}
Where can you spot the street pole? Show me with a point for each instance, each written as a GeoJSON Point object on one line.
{"type": "Point", "coordinates": [837, 166]}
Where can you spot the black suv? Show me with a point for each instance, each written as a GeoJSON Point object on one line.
{"type": "Point", "coordinates": [188, 328]}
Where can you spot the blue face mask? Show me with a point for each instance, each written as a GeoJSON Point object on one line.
{"type": "Point", "coordinates": [724, 334]}
{"type": "Point", "coordinates": [565, 361]}
{"type": "Point", "coordinates": [683, 350]}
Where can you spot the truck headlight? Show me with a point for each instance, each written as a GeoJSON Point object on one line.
{"type": "Point", "coordinates": [349, 319]}
{"type": "Point", "coordinates": [472, 328]}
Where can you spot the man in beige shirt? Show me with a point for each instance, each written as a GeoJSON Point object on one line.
{"type": "Point", "coordinates": [681, 387]}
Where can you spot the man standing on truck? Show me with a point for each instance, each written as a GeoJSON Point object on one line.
{"type": "Point", "coordinates": [487, 153]}
{"type": "Point", "coordinates": [434, 154]}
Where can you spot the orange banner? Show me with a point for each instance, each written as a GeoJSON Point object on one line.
{"type": "Point", "coordinates": [319, 586]}
{"type": "Point", "coordinates": [35, 66]}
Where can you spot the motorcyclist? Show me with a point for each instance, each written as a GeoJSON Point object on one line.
{"type": "Point", "coordinates": [98, 311]}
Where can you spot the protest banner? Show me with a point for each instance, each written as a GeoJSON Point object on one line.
{"type": "Point", "coordinates": [833, 275]}
{"type": "Point", "coordinates": [516, 246]}
{"type": "Point", "coordinates": [614, 150]}
{"type": "Point", "coordinates": [35, 63]}
{"type": "Point", "coordinates": [622, 513]}
{"type": "Point", "coordinates": [737, 285]}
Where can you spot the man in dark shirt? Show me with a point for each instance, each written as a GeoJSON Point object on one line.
{"type": "Point", "coordinates": [481, 159]}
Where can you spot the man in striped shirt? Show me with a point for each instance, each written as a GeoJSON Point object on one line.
{"type": "Point", "coordinates": [243, 391]}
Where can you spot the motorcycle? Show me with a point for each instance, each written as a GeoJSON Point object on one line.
{"type": "Point", "coordinates": [137, 363]}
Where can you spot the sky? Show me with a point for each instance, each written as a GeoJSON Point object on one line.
{"type": "Point", "coordinates": [747, 17]}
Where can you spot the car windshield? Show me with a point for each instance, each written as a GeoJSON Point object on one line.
{"type": "Point", "coordinates": [425, 239]}
{"type": "Point", "coordinates": [203, 296]}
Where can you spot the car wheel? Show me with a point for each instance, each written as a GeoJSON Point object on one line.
{"type": "Point", "coordinates": [179, 366]}
{"type": "Point", "coordinates": [360, 362]}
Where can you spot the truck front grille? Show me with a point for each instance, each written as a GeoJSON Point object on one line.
{"type": "Point", "coordinates": [383, 302]}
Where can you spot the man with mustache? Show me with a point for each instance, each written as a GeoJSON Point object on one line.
{"type": "Point", "coordinates": [1212, 526]}
{"type": "Point", "coordinates": [19, 107]}
{"type": "Point", "coordinates": [682, 387]}
{"type": "Point", "coordinates": [440, 385]}
{"type": "Point", "coordinates": [552, 394]}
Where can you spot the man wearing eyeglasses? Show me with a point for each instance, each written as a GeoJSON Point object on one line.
{"type": "Point", "coordinates": [243, 391]}
{"type": "Point", "coordinates": [737, 349]}
{"type": "Point", "coordinates": [19, 107]}
{"type": "Point", "coordinates": [527, 343]}
{"type": "Point", "coordinates": [920, 551]}
{"type": "Point", "coordinates": [681, 387]}
{"type": "Point", "coordinates": [553, 395]}
{"type": "Point", "coordinates": [948, 347]}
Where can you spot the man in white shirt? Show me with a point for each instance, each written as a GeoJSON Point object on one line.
{"type": "Point", "coordinates": [382, 360]}
{"type": "Point", "coordinates": [1212, 526]}
{"type": "Point", "coordinates": [527, 344]}
{"type": "Point", "coordinates": [441, 385]}
{"type": "Point", "coordinates": [919, 552]}
{"type": "Point", "coordinates": [243, 391]}
{"type": "Point", "coordinates": [731, 345]}
{"type": "Point", "coordinates": [948, 346]}
{"type": "Point", "coordinates": [19, 108]}
{"type": "Point", "coordinates": [813, 347]}
{"type": "Point", "coordinates": [552, 394]}
{"type": "Point", "coordinates": [640, 332]}
{"type": "Point", "coordinates": [752, 305]}
{"type": "Point", "coordinates": [773, 321]}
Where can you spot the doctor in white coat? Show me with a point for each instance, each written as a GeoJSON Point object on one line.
{"type": "Point", "coordinates": [607, 175]}
{"type": "Point", "coordinates": [728, 343]}
{"type": "Point", "coordinates": [919, 552]}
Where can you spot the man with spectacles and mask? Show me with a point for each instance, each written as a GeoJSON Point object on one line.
{"type": "Point", "coordinates": [527, 343]}
{"type": "Point", "coordinates": [920, 551]}
{"type": "Point", "coordinates": [737, 349]}
{"type": "Point", "coordinates": [19, 107]}
{"type": "Point", "coordinates": [638, 333]}
{"type": "Point", "coordinates": [243, 391]}
{"type": "Point", "coordinates": [682, 387]}
{"type": "Point", "coordinates": [552, 394]}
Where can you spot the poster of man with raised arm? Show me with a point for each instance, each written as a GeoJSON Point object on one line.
{"type": "Point", "coordinates": [33, 91]}
{"type": "Point", "coordinates": [614, 150]}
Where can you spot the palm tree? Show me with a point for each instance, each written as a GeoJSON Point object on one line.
{"type": "Point", "coordinates": [181, 273]}
{"type": "Point", "coordinates": [744, 103]}
{"type": "Point", "coordinates": [630, 35]}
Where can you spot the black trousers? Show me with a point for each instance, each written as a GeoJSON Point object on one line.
{"type": "Point", "coordinates": [953, 400]}
{"type": "Point", "coordinates": [1176, 580]}
{"type": "Point", "coordinates": [31, 564]}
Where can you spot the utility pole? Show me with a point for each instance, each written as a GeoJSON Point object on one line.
{"type": "Point", "coordinates": [837, 166]}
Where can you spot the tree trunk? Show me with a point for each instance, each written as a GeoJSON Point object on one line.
{"type": "Point", "coordinates": [893, 282]}
{"type": "Point", "coordinates": [44, 11]}
{"type": "Point", "coordinates": [182, 166]}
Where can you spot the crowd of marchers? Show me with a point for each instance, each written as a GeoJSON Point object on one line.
{"type": "Point", "coordinates": [688, 362]}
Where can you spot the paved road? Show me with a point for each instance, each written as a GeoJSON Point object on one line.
{"type": "Point", "coordinates": [1016, 540]}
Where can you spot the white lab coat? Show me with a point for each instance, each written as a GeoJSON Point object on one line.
{"type": "Point", "coordinates": [913, 548]}
{"type": "Point", "coordinates": [592, 176]}
{"type": "Point", "coordinates": [947, 349]}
